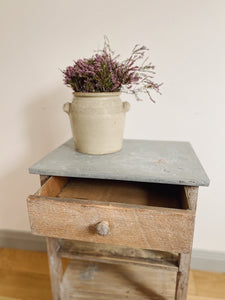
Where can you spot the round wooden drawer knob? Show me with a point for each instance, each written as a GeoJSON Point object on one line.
{"type": "Point", "coordinates": [102, 228]}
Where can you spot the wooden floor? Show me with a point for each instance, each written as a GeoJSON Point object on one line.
{"type": "Point", "coordinates": [24, 275]}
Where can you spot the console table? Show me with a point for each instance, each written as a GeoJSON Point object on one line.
{"type": "Point", "coordinates": [125, 220]}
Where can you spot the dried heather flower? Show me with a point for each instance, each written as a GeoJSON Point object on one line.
{"type": "Point", "coordinates": [104, 73]}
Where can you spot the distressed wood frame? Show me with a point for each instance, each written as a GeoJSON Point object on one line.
{"type": "Point", "coordinates": [55, 252]}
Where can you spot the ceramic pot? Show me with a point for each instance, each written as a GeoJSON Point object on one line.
{"type": "Point", "coordinates": [97, 121]}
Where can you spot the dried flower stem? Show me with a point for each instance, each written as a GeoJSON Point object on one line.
{"type": "Point", "coordinates": [104, 73]}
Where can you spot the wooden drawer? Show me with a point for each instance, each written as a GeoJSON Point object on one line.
{"type": "Point", "coordinates": [140, 215]}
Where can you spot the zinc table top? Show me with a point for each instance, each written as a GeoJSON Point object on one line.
{"type": "Point", "coordinates": [167, 162]}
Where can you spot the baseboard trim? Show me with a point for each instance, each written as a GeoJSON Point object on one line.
{"type": "Point", "coordinates": [201, 260]}
{"type": "Point", "coordinates": [22, 240]}
{"type": "Point", "coordinates": [213, 261]}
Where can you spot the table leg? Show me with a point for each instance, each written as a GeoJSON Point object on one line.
{"type": "Point", "coordinates": [185, 258]}
{"type": "Point", "coordinates": [182, 276]}
{"type": "Point", "coordinates": [55, 267]}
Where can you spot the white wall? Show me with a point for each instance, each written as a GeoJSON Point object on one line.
{"type": "Point", "coordinates": [187, 42]}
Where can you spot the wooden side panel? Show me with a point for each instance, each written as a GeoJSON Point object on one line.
{"type": "Point", "coordinates": [86, 280]}
{"type": "Point", "coordinates": [53, 186]}
{"type": "Point", "coordinates": [139, 227]}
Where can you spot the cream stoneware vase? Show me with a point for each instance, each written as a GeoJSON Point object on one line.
{"type": "Point", "coordinates": [97, 121]}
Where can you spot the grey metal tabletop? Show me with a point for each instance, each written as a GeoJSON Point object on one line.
{"type": "Point", "coordinates": [167, 162]}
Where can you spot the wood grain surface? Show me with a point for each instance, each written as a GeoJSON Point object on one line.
{"type": "Point", "coordinates": [140, 227]}
{"type": "Point", "coordinates": [137, 193]}
{"type": "Point", "coordinates": [135, 225]}
{"type": "Point", "coordinates": [88, 280]}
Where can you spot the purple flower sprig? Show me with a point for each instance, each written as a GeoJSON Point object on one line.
{"type": "Point", "coordinates": [104, 73]}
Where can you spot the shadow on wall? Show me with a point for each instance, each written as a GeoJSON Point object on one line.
{"type": "Point", "coordinates": [46, 126]}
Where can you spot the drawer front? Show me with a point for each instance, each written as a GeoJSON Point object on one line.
{"type": "Point", "coordinates": [128, 225]}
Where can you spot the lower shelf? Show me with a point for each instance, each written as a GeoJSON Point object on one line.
{"type": "Point", "coordinates": [92, 280]}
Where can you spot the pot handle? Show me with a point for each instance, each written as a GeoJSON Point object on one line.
{"type": "Point", "coordinates": [66, 107]}
{"type": "Point", "coordinates": [126, 106]}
